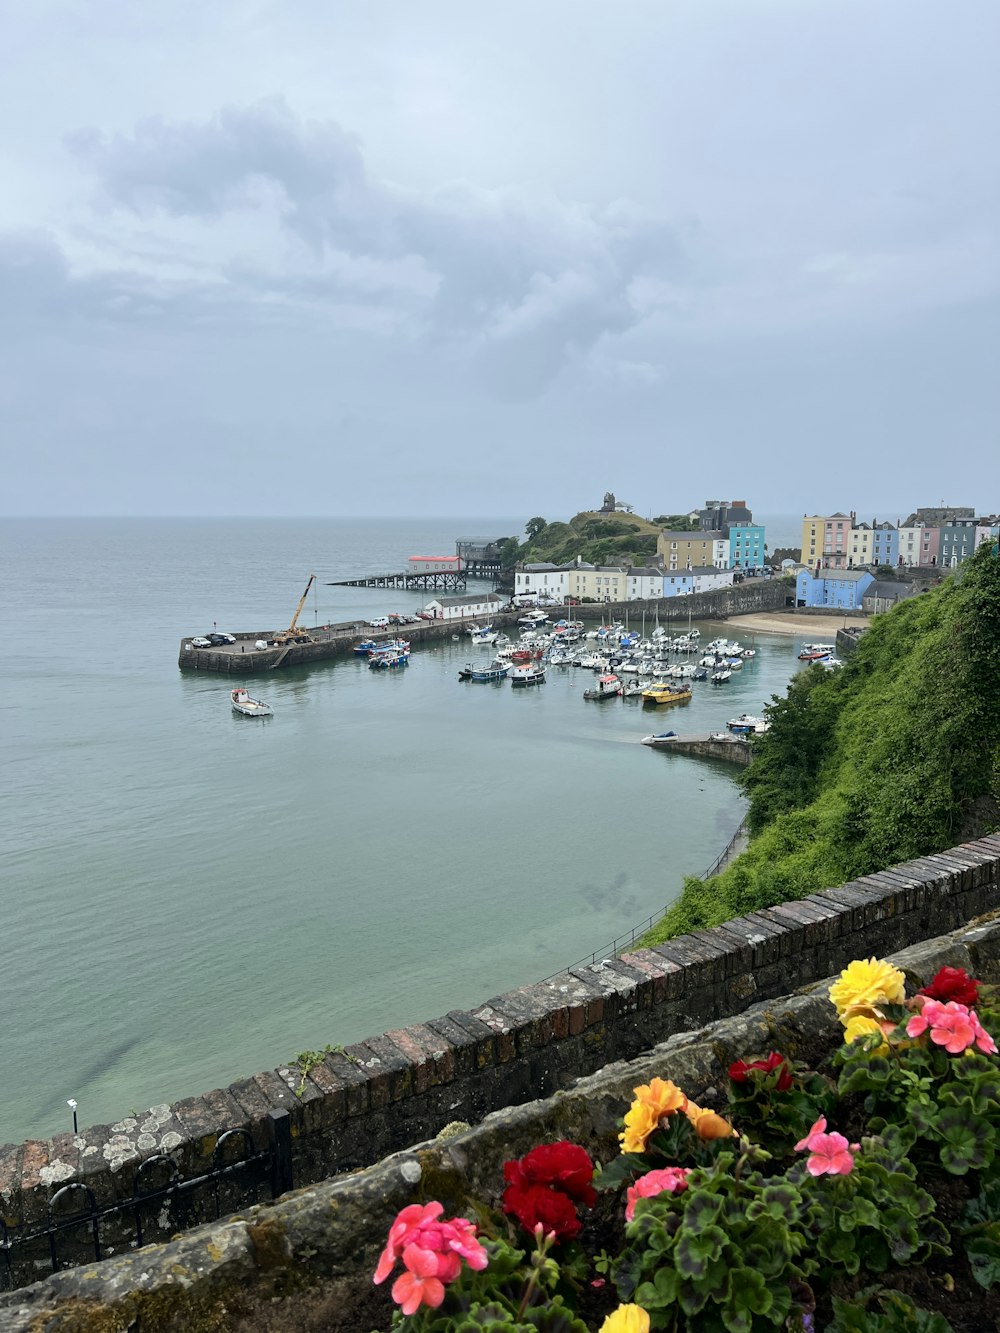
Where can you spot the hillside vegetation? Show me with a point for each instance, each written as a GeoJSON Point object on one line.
{"type": "Point", "coordinates": [597, 539]}
{"type": "Point", "coordinates": [893, 756]}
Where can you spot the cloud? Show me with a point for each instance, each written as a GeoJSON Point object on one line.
{"type": "Point", "coordinates": [516, 282]}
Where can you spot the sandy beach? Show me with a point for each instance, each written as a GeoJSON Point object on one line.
{"type": "Point", "coordinates": [822, 629]}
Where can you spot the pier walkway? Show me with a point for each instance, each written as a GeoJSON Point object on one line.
{"type": "Point", "coordinates": [446, 580]}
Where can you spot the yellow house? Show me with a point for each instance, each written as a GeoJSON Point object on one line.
{"type": "Point", "coordinates": [861, 545]}
{"type": "Point", "coordinates": [679, 550]}
{"type": "Point", "coordinates": [826, 540]}
{"type": "Point", "coordinates": [607, 584]}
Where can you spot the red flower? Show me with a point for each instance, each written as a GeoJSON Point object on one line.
{"type": "Point", "coordinates": [545, 1185]}
{"type": "Point", "coordinates": [534, 1204]}
{"type": "Point", "coordinates": [740, 1071]}
{"type": "Point", "coordinates": [953, 983]}
{"type": "Point", "coordinates": [564, 1166]}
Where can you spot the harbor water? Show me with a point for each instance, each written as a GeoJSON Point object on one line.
{"type": "Point", "coordinates": [189, 896]}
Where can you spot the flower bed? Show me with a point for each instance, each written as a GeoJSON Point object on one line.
{"type": "Point", "coordinates": [863, 1197]}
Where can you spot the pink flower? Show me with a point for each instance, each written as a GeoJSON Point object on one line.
{"type": "Point", "coordinates": [406, 1228]}
{"type": "Point", "coordinates": [420, 1284]}
{"type": "Point", "coordinates": [829, 1154]}
{"type": "Point", "coordinates": [951, 1025]}
{"type": "Point", "coordinates": [669, 1180]}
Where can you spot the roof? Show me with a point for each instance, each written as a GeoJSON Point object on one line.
{"type": "Point", "coordinates": [645, 572]}
{"type": "Point", "coordinates": [709, 569]}
{"type": "Point", "coordinates": [706, 536]}
{"type": "Point", "coordinates": [539, 565]}
{"type": "Point", "coordinates": [841, 575]}
{"type": "Point", "coordinates": [889, 588]}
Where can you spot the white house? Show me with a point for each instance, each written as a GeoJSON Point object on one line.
{"type": "Point", "coordinates": [477, 604]}
{"type": "Point", "coordinates": [707, 579]}
{"type": "Point", "coordinates": [542, 580]}
{"type": "Point", "coordinates": [642, 583]}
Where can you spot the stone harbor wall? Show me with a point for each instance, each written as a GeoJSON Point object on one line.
{"type": "Point", "coordinates": [335, 1229]}
{"type": "Point", "coordinates": [382, 1094]}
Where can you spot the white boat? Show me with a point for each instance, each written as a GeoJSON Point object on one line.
{"type": "Point", "coordinates": [746, 724]}
{"type": "Point", "coordinates": [485, 634]}
{"type": "Point", "coordinates": [527, 673]}
{"type": "Point", "coordinates": [720, 677]}
{"type": "Point", "coordinates": [608, 687]}
{"type": "Point", "coordinates": [242, 703]}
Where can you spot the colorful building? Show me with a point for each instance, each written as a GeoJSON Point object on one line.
{"type": "Point", "coordinates": [842, 589]}
{"type": "Point", "coordinates": [746, 546]}
{"type": "Point", "coordinates": [683, 550]}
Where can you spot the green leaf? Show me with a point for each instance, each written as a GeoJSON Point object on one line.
{"type": "Point", "coordinates": [695, 1249]}
{"type": "Point", "coordinates": [983, 1252]}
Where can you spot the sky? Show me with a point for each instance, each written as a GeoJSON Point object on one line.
{"type": "Point", "coordinates": [374, 257]}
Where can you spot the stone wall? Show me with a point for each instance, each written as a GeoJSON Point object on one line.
{"type": "Point", "coordinates": [332, 1232]}
{"type": "Point", "coordinates": [397, 1088]}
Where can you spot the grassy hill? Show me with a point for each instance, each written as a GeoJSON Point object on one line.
{"type": "Point", "coordinates": [598, 539]}
{"type": "Point", "coordinates": [893, 756]}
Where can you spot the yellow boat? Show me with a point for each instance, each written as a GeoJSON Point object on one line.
{"type": "Point", "coordinates": [666, 694]}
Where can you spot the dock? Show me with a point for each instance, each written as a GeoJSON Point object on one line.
{"type": "Point", "coordinates": [711, 745]}
{"type": "Point", "coordinates": [445, 580]}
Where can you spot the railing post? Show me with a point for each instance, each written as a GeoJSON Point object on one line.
{"type": "Point", "coordinates": [279, 1131]}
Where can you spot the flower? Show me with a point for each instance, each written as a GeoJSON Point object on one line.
{"type": "Point", "coordinates": [654, 1101]}
{"type": "Point", "coordinates": [829, 1154]}
{"type": "Point", "coordinates": [670, 1180]}
{"type": "Point", "coordinates": [420, 1284]}
{"type": "Point", "coordinates": [740, 1071]}
{"type": "Point", "coordinates": [953, 983]}
{"type": "Point", "coordinates": [432, 1252]}
{"type": "Point", "coordinates": [626, 1319]}
{"type": "Point", "coordinates": [707, 1124]}
{"type": "Point", "coordinates": [953, 1026]}
{"type": "Point", "coordinates": [545, 1185]}
{"type": "Point", "coordinates": [861, 1025]}
{"type": "Point", "coordinates": [564, 1165]}
{"type": "Point", "coordinates": [862, 985]}
{"type": "Point", "coordinates": [537, 1205]}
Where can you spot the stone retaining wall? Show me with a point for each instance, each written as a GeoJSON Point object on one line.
{"type": "Point", "coordinates": [334, 1230]}
{"type": "Point", "coordinates": [397, 1088]}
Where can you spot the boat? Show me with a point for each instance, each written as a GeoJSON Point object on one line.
{"type": "Point", "coordinates": [365, 647]}
{"type": "Point", "coordinates": [485, 634]}
{"type": "Point", "coordinates": [666, 694]}
{"type": "Point", "coordinates": [608, 687]}
{"type": "Point", "coordinates": [660, 738]}
{"type": "Point", "coordinates": [745, 724]}
{"type": "Point", "coordinates": [389, 659]}
{"type": "Point", "coordinates": [242, 703]}
{"type": "Point", "coordinates": [721, 677]}
{"type": "Point", "coordinates": [527, 673]}
{"type": "Point", "coordinates": [466, 672]}
{"type": "Point", "coordinates": [812, 652]}
{"type": "Point", "coordinates": [496, 670]}
{"type": "Point", "coordinates": [633, 689]}
{"type": "Point", "coordinates": [701, 673]}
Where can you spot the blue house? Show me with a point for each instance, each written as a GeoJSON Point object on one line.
{"type": "Point", "coordinates": [678, 582]}
{"type": "Point", "coordinates": [746, 546]}
{"type": "Point", "coordinates": [840, 588]}
{"type": "Point", "coordinates": [885, 544]}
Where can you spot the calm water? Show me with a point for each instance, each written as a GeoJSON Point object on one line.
{"type": "Point", "coordinates": [188, 896]}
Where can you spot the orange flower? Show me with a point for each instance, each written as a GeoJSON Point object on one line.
{"type": "Point", "coordinates": [654, 1101]}
{"type": "Point", "coordinates": [707, 1124]}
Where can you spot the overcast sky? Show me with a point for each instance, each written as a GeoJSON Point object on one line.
{"type": "Point", "coordinates": [461, 257]}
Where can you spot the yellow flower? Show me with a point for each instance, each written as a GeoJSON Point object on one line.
{"type": "Point", "coordinates": [626, 1319]}
{"type": "Point", "coordinates": [707, 1125]}
{"type": "Point", "coordinates": [653, 1101]}
{"type": "Point", "coordinates": [863, 985]}
{"type": "Point", "coordinates": [861, 1025]}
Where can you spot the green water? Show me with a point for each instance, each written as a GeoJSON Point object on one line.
{"type": "Point", "coordinates": [189, 896]}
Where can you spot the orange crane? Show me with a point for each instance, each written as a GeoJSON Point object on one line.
{"type": "Point", "coordinates": [291, 634]}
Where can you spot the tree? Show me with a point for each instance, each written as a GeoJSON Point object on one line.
{"type": "Point", "coordinates": [508, 554]}
{"type": "Point", "coordinates": [534, 526]}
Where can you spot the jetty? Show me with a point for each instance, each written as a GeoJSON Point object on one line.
{"type": "Point", "coordinates": [447, 580]}
{"type": "Point", "coordinates": [711, 745]}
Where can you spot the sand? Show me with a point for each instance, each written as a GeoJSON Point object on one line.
{"type": "Point", "coordinates": [820, 629]}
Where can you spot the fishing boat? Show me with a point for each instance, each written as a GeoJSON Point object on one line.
{"type": "Point", "coordinates": [242, 703]}
{"type": "Point", "coordinates": [496, 670]}
{"type": "Point", "coordinates": [389, 659]}
{"type": "Point", "coordinates": [466, 672]}
{"type": "Point", "coordinates": [812, 652]}
{"type": "Point", "coordinates": [665, 694]}
{"type": "Point", "coordinates": [527, 673]}
{"type": "Point", "coordinates": [365, 647]}
{"type": "Point", "coordinates": [608, 687]}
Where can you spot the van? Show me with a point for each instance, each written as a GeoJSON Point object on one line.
{"type": "Point", "coordinates": [380, 622]}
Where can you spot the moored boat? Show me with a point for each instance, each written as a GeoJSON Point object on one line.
{"type": "Point", "coordinates": [660, 738]}
{"type": "Point", "coordinates": [608, 687]}
{"type": "Point", "coordinates": [496, 670]}
{"type": "Point", "coordinates": [666, 694]}
{"type": "Point", "coordinates": [746, 724]}
{"type": "Point", "coordinates": [242, 703]}
{"type": "Point", "coordinates": [721, 677]}
{"type": "Point", "coordinates": [527, 673]}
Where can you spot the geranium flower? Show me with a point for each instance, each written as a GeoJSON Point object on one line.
{"type": "Point", "coordinates": [953, 983]}
{"type": "Point", "coordinates": [420, 1284]}
{"type": "Point", "coordinates": [865, 984]}
{"type": "Point", "coordinates": [654, 1101]}
{"type": "Point", "coordinates": [952, 1026]}
{"type": "Point", "coordinates": [707, 1124]}
{"type": "Point", "coordinates": [404, 1231]}
{"type": "Point", "coordinates": [741, 1070]}
{"type": "Point", "coordinates": [829, 1154]}
{"type": "Point", "coordinates": [537, 1205]}
{"type": "Point", "coordinates": [670, 1180]}
{"type": "Point", "coordinates": [626, 1319]}
{"type": "Point", "coordinates": [564, 1166]}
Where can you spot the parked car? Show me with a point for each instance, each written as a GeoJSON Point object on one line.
{"type": "Point", "coordinates": [380, 622]}
{"type": "Point", "coordinates": [425, 615]}
{"type": "Point", "coordinates": [218, 640]}
{"type": "Point", "coordinates": [200, 642]}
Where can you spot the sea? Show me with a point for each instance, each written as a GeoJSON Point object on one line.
{"type": "Point", "coordinates": [188, 896]}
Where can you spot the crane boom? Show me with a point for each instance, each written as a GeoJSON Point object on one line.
{"type": "Point", "coordinates": [302, 602]}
